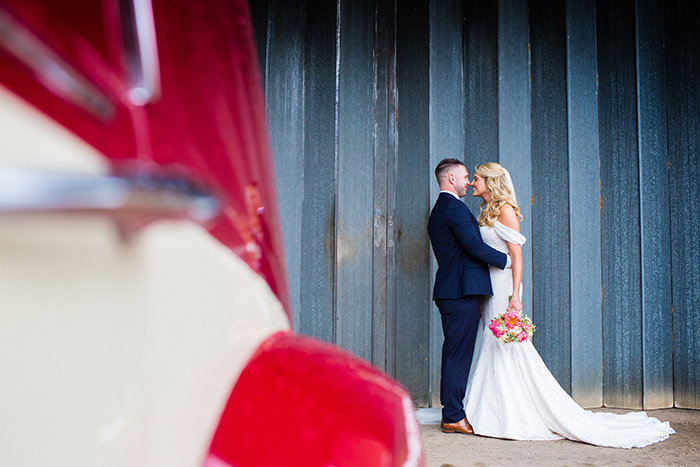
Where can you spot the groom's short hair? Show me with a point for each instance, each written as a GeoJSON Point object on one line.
{"type": "Point", "coordinates": [444, 167]}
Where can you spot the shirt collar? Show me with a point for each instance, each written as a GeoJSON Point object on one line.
{"type": "Point", "coordinates": [449, 193]}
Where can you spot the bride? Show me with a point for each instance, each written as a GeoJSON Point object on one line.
{"type": "Point", "coordinates": [511, 393]}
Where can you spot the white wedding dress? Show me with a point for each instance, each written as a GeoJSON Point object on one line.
{"type": "Point", "coordinates": [511, 393]}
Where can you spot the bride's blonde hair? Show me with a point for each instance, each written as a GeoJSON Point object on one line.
{"type": "Point", "coordinates": [496, 182]}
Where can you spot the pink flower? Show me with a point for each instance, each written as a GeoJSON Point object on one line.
{"type": "Point", "coordinates": [522, 336]}
{"type": "Point", "coordinates": [512, 318]}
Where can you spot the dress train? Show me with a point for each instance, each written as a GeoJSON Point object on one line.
{"type": "Point", "coordinates": [511, 393]}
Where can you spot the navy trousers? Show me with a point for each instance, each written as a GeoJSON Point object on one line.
{"type": "Point", "coordinates": [460, 321]}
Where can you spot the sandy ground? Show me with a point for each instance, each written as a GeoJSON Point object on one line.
{"type": "Point", "coordinates": [454, 450]}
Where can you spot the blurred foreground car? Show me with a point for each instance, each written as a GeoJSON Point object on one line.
{"type": "Point", "coordinates": [143, 302]}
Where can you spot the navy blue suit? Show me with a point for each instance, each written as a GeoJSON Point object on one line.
{"type": "Point", "coordinates": [462, 277]}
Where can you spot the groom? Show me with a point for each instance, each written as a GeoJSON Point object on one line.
{"type": "Point", "coordinates": [462, 277]}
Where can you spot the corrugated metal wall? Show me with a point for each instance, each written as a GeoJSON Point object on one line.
{"type": "Point", "coordinates": [595, 110]}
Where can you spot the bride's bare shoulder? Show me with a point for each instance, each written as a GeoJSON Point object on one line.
{"type": "Point", "coordinates": [509, 218]}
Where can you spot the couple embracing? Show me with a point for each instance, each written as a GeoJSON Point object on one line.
{"type": "Point", "coordinates": [511, 393]}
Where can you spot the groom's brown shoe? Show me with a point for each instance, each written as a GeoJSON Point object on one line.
{"type": "Point", "coordinates": [461, 426]}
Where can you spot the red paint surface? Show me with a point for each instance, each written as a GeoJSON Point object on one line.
{"type": "Point", "coordinates": [209, 121]}
{"type": "Point", "coordinates": [303, 403]}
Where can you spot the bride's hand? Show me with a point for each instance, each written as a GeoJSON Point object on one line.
{"type": "Point", "coordinates": [514, 304]}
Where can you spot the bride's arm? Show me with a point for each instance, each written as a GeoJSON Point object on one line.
{"type": "Point", "coordinates": [510, 219]}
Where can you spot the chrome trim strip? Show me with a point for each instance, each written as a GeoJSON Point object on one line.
{"type": "Point", "coordinates": [141, 196]}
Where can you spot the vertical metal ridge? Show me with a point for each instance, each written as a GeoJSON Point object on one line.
{"type": "Point", "coordinates": [392, 167]}
{"type": "Point", "coordinates": [642, 259]}
{"type": "Point", "coordinates": [380, 284]}
{"type": "Point", "coordinates": [514, 125]}
{"type": "Point", "coordinates": [619, 149]}
{"type": "Point", "coordinates": [336, 158]}
{"type": "Point", "coordinates": [480, 77]}
{"type": "Point", "coordinates": [355, 183]}
{"type": "Point", "coordinates": [551, 296]}
{"type": "Point", "coordinates": [657, 377]}
{"type": "Point", "coordinates": [285, 104]}
{"type": "Point", "coordinates": [447, 139]}
{"type": "Point", "coordinates": [683, 122]}
{"type": "Point", "coordinates": [412, 194]}
{"type": "Point", "coordinates": [317, 216]}
{"type": "Point", "coordinates": [584, 200]}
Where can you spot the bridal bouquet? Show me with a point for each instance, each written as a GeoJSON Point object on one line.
{"type": "Point", "coordinates": [512, 326]}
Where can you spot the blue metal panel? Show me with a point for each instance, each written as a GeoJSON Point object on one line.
{"type": "Point", "coordinates": [622, 352]}
{"type": "Point", "coordinates": [683, 92]}
{"type": "Point", "coordinates": [550, 208]}
{"type": "Point", "coordinates": [480, 78]}
{"type": "Point", "coordinates": [382, 355]}
{"type": "Point", "coordinates": [392, 102]}
{"type": "Point", "coordinates": [344, 184]}
{"type": "Point", "coordinates": [413, 202]}
{"type": "Point", "coordinates": [446, 132]}
{"type": "Point", "coordinates": [355, 213]}
{"type": "Point", "coordinates": [318, 205]}
{"type": "Point", "coordinates": [584, 205]}
{"type": "Point", "coordinates": [514, 119]}
{"type": "Point", "coordinates": [657, 318]}
{"type": "Point", "coordinates": [285, 105]}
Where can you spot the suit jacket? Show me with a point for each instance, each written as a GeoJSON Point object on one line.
{"type": "Point", "coordinates": [461, 254]}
